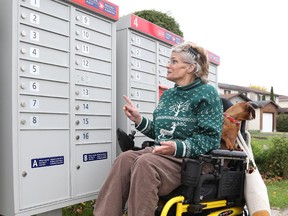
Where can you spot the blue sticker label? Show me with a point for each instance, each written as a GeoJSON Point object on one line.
{"type": "Point", "coordinates": [48, 161]}
{"type": "Point", "coordinates": [95, 156]}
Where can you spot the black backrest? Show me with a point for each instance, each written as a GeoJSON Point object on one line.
{"type": "Point", "coordinates": [226, 104]}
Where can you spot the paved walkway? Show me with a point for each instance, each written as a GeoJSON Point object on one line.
{"type": "Point", "coordinates": [275, 212]}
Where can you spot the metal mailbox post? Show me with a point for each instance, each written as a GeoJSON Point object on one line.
{"type": "Point", "coordinates": [58, 116]}
{"type": "Point", "coordinates": [143, 52]}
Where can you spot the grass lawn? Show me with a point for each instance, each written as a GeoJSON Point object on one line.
{"type": "Point", "coordinates": [278, 192]}
{"type": "Point", "coordinates": [277, 189]}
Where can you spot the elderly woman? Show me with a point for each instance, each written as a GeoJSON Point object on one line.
{"type": "Point", "coordinates": [186, 123]}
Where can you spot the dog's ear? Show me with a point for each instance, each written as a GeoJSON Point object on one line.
{"type": "Point", "coordinates": [254, 105]}
{"type": "Point", "coordinates": [251, 110]}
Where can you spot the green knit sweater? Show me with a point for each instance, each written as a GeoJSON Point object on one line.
{"type": "Point", "coordinates": [191, 116]}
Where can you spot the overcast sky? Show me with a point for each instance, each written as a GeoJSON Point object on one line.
{"type": "Point", "coordinates": [250, 36]}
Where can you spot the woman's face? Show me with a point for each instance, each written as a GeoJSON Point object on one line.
{"type": "Point", "coordinates": [178, 71]}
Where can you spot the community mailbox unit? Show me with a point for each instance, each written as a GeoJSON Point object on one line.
{"type": "Point", "coordinates": [58, 116]}
{"type": "Point", "coordinates": [143, 52]}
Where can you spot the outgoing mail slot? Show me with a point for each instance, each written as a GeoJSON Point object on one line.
{"type": "Point", "coordinates": [42, 54]}
{"type": "Point", "coordinates": [44, 88]}
{"type": "Point", "coordinates": [44, 21]}
{"type": "Point", "coordinates": [43, 104]}
{"type": "Point", "coordinates": [41, 121]}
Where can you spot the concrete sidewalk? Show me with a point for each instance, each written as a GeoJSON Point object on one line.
{"type": "Point", "coordinates": [275, 212]}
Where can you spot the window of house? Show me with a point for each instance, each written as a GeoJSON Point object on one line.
{"type": "Point", "coordinates": [227, 91]}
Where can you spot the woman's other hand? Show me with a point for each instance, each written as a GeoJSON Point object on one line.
{"type": "Point", "coordinates": [166, 148]}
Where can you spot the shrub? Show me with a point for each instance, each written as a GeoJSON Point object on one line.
{"type": "Point", "coordinates": [282, 122]}
{"type": "Point", "coordinates": [272, 161]}
{"type": "Point", "coordinates": [279, 156]}
{"type": "Point", "coordinates": [161, 19]}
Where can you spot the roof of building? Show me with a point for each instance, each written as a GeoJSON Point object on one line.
{"type": "Point", "coordinates": [242, 89]}
{"type": "Point", "coordinates": [230, 96]}
{"type": "Point", "coordinates": [265, 103]}
{"type": "Point", "coordinates": [282, 110]}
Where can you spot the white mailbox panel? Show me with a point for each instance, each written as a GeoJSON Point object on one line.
{"type": "Point", "coordinates": [44, 167]}
{"type": "Point", "coordinates": [91, 157]}
{"type": "Point", "coordinates": [58, 81]}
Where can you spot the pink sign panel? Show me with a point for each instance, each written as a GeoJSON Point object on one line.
{"type": "Point", "coordinates": [153, 30]}
{"type": "Point", "coordinates": [103, 7]}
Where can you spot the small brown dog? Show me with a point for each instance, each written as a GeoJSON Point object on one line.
{"type": "Point", "coordinates": [232, 119]}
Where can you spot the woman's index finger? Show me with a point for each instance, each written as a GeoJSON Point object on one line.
{"type": "Point", "coordinates": [127, 100]}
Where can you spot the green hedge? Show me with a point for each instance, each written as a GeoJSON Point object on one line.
{"type": "Point", "coordinates": [272, 158]}
{"type": "Point", "coordinates": [282, 122]}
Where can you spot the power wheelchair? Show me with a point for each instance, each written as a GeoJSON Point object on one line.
{"type": "Point", "coordinates": [218, 193]}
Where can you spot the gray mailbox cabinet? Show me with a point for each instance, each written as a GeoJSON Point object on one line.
{"type": "Point", "coordinates": [143, 52]}
{"type": "Point", "coordinates": [58, 116]}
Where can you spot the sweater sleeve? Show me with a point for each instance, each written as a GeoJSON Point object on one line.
{"type": "Point", "coordinates": [146, 127]}
{"type": "Point", "coordinates": [209, 120]}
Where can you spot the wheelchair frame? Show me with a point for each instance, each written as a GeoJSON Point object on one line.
{"type": "Point", "coordinates": [229, 199]}
{"type": "Point", "coordinates": [228, 176]}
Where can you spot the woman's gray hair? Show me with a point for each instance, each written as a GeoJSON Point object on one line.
{"type": "Point", "coordinates": [193, 54]}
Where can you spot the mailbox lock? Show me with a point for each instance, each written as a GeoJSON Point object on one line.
{"type": "Point", "coordinates": [23, 104]}
{"type": "Point", "coordinates": [23, 68]}
{"type": "Point", "coordinates": [77, 137]}
{"type": "Point", "coordinates": [77, 32]}
{"type": "Point", "coordinates": [77, 92]}
{"type": "Point", "coordinates": [24, 173]}
{"type": "Point", "coordinates": [78, 167]}
{"type": "Point", "coordinates": [77, 107]}
{"type": "Point", "coordinates": [77, 47]}
{"type": "Point", "coordinates": [23, 121]}
{"type": "Point", "coordinates": [23, 51]}
{"type": "Point", "coordinates": [22, 86]}
{"type": "Point", "coordinates": [23, 16]}
{"type": "Point", "coordinates": [77, 18]}
{"type": "Point", "coordinates": [23, 33]}
{"type": "Point", "coordinates": [77, 122]}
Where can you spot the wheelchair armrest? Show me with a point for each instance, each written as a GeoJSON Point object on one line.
{"type": "Point", "coordinates": [228, 153]}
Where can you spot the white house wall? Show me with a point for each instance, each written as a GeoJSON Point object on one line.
{"type": "Point", "coordinates": [255, 123]}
